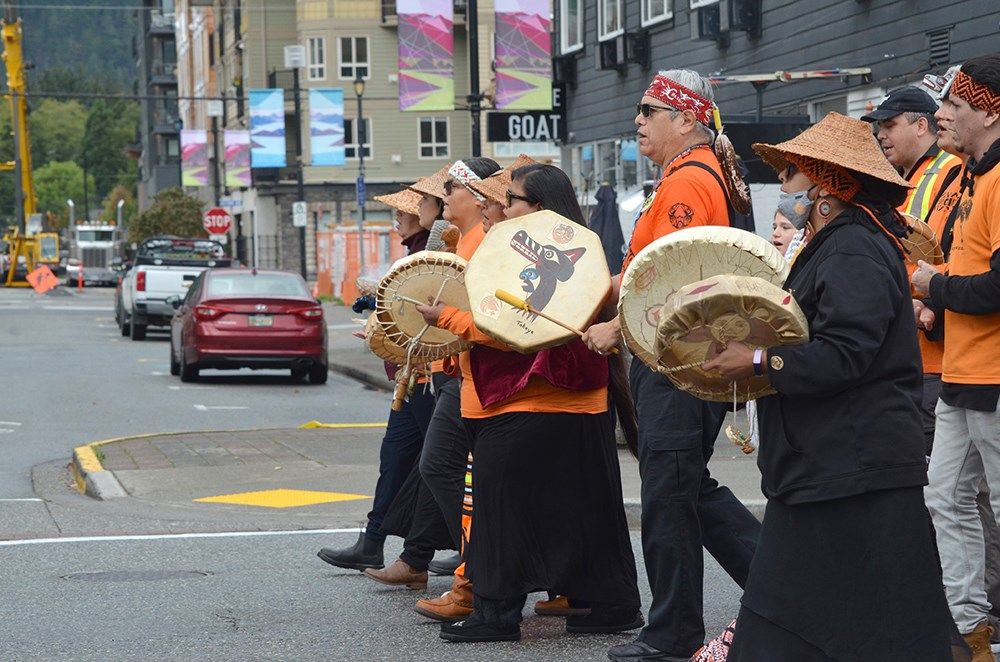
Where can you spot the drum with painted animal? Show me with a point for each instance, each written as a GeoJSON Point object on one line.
{"type": "Point", "coordinates": [555, 265]}
{"type": "Point", "coordinates": [922, 243]}
{"type": "Point", "coordinates": [427, 276]}
{"type": "Point", "coordinates": [699, 319]}
{"type": "Point", "coordinates": [681, 258]}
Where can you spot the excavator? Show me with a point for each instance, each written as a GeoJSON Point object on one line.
{"type": "Point", "coordinates": [28, 247]}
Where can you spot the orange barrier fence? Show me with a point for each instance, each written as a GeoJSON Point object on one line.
{"type": "Point", "coordinates": [338, 265]}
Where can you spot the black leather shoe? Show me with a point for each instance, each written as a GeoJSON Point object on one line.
{"type": "Point", "coordinates": [605, 620]}
{"type": "Point", "coordinates": [365, 553]}
{"type": "Point", "coordinates": [638, 651]}
{"type": "Point", "coordinates": [445, 566]}
{"type": "Point", "coordinates": [474, 629]}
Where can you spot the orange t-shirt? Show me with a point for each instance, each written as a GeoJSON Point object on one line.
{"type": "Point", "coordinates": [971, 348]}
{"type": "Point", "coordinates": [539, 395]}
{"type": "Point", "coordinates": [684, 198]}
{"type": "Point", "coordinates": [932, 351]}
{"type": "Point", "coordinates": [467, 245]}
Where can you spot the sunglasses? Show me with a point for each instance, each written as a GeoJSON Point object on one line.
{"type": "Point", "coordinates": [511, 197]}
{"type": "Point", "coordinates": [450, 184]}
{"type": "Point", "coordinates": [646, 109]}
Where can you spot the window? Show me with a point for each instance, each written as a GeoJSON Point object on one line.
{"type": "Point", "coordinates": [433, 137]}
{"type": "Point", "coordinates": [317, 58]}
{"type": "Point", "coordinates": [353, 58]}
{"type": "Point", "coordinates": [351, 143]}
{"type": "Point", "coordinates": [571, 25]}
{"type": "Point", "coordinates": [609, 19]}
{"type": "Point", "coordinates": [654, 11]}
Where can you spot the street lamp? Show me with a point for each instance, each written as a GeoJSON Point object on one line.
{"type": "Point", "coordinates": [359, 90]}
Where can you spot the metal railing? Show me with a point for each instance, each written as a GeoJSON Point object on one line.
{"type": "Point", "coordinates": [159, 20]}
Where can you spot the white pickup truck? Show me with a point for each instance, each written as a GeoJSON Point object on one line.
{"type": "Point", "coordinates": [164, 266]}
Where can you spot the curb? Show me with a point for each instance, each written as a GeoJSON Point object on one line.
{"type": "Point", "coordinates": [376, 382]}
{"type": "Point", "coordinates": [633, 511]}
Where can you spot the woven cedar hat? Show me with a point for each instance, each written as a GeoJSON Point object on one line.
{"type": "Point", "coordinates": [434, 184]}
{"type": "Point", "coordinates": [495, 186]}
{"type": "Point", "coordinates": [830, 151]}
{"type": "Point", "coordinates": [406, 201]}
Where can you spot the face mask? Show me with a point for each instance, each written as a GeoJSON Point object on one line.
{"type": "Point", "coordinates": [795, 207]}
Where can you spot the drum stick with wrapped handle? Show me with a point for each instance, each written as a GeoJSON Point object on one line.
{"type": "Point", "coordinates": [521, 304]}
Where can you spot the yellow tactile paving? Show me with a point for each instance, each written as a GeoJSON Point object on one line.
{"type": "Point", "coordinates": [282, 498]}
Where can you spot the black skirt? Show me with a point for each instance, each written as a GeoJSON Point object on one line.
{"type": "Point", "coordinates": [549, 512]}
{"type": "Point", "coordinates": [851, 580]}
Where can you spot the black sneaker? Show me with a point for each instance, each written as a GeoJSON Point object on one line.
{"type": "Point", "coordinates": [365, 553]}
{"type": "Point", "coordinates": [605, 620]}
{"type": "Point", "coordinates": [474, 629]}
{"type": "Point", "coordinates": [639, 651]}
{"type": "Point", "coordinates": [445, 566]}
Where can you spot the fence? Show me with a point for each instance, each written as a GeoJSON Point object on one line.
{"type": "Point", "coordinates": [337, 259]}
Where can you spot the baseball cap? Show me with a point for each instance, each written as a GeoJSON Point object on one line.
{"type": "Point", "coordinates": [907, 99]}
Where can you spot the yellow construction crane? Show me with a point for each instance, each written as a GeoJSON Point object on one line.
{"type": "Point", "coordinates": [36, 247]}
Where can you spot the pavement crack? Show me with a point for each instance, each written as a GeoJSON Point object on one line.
{"type": "Point", "coordinates": [231, 620]}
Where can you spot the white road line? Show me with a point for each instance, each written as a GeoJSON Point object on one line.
{"type": "Point", "coordinates": [101, 309]}
{"type": "Point", "coordinates": [20, 499]}
{"type": "Point", "coordinates": [190, 388]}
{"type": "Point", "coordinates": [338, 327]}
{"type": "Point", "coordinates": [159, 374]}
{"type": "Point", "coordinates": [9, 423]}
{"type": "Point", "coordinates": [173, 536]}
{"type": "Point", "coordinates": [207, 407]}
{"type": "Point", "coordinates": [6, 430]}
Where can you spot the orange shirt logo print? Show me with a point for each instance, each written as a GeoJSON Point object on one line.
{"type": "Point", "coordinates": [680, 215]}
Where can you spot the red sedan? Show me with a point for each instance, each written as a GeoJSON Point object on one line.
{"type": "Point", "coordinates": [248, 318]}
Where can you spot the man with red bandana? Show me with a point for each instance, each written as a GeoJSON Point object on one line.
{"type": "Point", "coordinates": [683, 508]}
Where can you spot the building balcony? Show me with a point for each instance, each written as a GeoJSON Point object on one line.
{"type": "Point", "coordinates": [389, 16]}
{"type": "Point", "coordinates": [163, 73]}
{"type": "Point", "coordinates": [160, 23]}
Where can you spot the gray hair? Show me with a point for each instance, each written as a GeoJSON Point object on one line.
{"type": "Point", "coordinates": [697, 84]}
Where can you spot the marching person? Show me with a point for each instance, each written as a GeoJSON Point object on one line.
{"type": "Point", "coordinates": [845, 566]}
{"type": "Point", "coordinates": [967, 432]}
{"type": "Point", "coordinates": [907, 132]}
{"type": "Point", "coordinates": [683, 508]}
{"type": "Point", "coordinates": [547, 487]}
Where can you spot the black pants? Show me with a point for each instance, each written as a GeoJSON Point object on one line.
{"type": "Point", "coordinates": [443, 458]}
{"type": "Point", "coordinates": [404, 437]}
{"type": "Point", "coordinates": [932, 391]}
{"type": "Point", "coordinates": [683, 509]}
{"type": "Point", "coordinates": [428, 530]}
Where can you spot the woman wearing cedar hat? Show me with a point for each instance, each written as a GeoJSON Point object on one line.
{"type": "Point", "coordinates": [845, 567]}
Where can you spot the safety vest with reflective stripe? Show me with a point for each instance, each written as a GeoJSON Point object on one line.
{"type": "Point", "coordinates": [927, 180]}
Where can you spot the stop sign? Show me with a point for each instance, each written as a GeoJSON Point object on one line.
{"type": "Point", "coordinates": [217, 221]}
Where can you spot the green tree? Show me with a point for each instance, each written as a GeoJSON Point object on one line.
{"type": "Point", "coordinates": [56, 131]}
{"type": "Point", "coordinates": [129, 211]}
{"type": "Point", "coordinates": [172, 212]}
{"type": "Point", "coordinates": [57, 181]}
{"type": "Point", "coordinates": [111, 127]}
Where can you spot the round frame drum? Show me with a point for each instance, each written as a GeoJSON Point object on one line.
{"type": "Point", "coordinates": [669, 263]}
{"type": "Point", "coordinates": [922, 243]}
{"type": "Point", "coordinates": [701, 318]}
{"type": "Point", "coordinates": [417, 277]}
{"type": "Point", "coordinates": [554, 264]}
{"type": "Point", "coordinates": [380, 345]}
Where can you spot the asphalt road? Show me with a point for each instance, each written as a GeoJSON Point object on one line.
{"type": "Point", "coordinates": [191, 589]}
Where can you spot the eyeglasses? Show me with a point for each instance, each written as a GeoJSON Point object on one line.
{"type": "Point", "coordinates": [646, 109]}
{"type": "Point", "coordinates": [511, 197]}
{"type": "Point", "coordinates": [449, 186]}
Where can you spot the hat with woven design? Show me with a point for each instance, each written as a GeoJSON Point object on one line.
{"type": "Point", "coordinates": [434, 184]}
{"type": "Point", "coordinates": [406, 201]}
{"type": "Point", "coordinates": [495, 186]}
{"type": "Point", "coordinates": [830, 152]}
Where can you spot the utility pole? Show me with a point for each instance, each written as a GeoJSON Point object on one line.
{"type": "Point", "coordinates": [361, 135]}
{"type": "Point", "coordinates": [474, 98]}
{"type": "Point", "coordinates": [299, 175]}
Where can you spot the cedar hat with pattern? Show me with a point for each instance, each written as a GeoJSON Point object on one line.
{"type": "Point", "coordinates": [406, 201]}
{"type": "Point", "coordinates": [434, 184]}
{"type": "Point", "coordinates": [495, 186]}
{"type": "Point", "coordinates": [830, 151]}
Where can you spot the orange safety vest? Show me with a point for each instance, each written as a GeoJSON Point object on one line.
{"type": "Point", "coordinates": [927, 180]}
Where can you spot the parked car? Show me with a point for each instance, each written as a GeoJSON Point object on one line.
{"type": "Point", "coordinates": [248, 318]}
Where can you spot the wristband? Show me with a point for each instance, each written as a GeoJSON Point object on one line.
{"type": "Point", "coordinates": [758, 369]}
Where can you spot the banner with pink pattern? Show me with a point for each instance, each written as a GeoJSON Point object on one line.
{"type": "Point", "coordinates": [426, 47]}
{"type": "Point", "coordinates": [523, 55]}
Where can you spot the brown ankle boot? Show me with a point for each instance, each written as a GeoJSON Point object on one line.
{"type": "Point", "coordinates": [399, 573]}
{"type": "Point", "coordinates": [979, 643]}
{"type": "Point", "coordinates": [451, 607]}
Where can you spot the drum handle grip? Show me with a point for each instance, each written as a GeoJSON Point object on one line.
{"type": "Point", "coordinates": [678, 368]}
{"type": "Point", "coordinates": [521, 304]}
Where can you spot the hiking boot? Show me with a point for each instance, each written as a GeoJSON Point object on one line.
{"type": "Point", "coordinates": [559, 606]}
{"type": "Point", "coordinates": [606, 620]}
{"type": "Point", "coordinates": [979, 643]}
{"type": "Point", "coordinates": [453, 606]}
{"type": "Point", "coordinates": [365, 553]}
{"type": "Point", "coordinates": [398, 574]}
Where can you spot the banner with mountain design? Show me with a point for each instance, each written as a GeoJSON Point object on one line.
{"type": "Point", "coordinates": [326, 126]}
{"type": "Point", "coordinates": [267, 128]}
{"type": "Point", "coordinates": [426, 47]}
{"type": "Point", "coordinates": [237, 158]}
{"type": "Point", "coordinates": [523, 61]}
{"type": "Point", "coordinates": [194, 157]}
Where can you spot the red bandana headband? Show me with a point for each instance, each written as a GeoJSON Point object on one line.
{"type": "Point", "coordinates": [975, 94]}
{"type": "Point", "coordinates": [677, 96]}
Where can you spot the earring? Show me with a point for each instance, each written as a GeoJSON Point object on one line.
{"type": "Point", "coordinates": [824, 208]}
